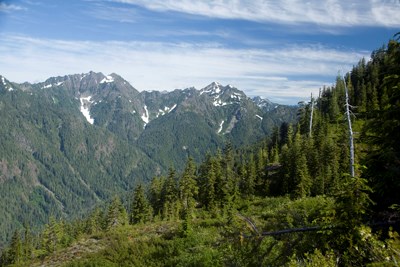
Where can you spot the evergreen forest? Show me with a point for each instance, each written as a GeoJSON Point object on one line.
{"type": "Point", "coordinates": [323, 191]}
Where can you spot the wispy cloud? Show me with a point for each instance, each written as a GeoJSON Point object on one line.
{"type": "Point", "coordinates": [274, 72]}
{"type": "Point", "coordinates": [328, 13]}
{"type": "Point", "coordinates": [121, 14]}
{"type": "Point", "coordinates": [9, 7]}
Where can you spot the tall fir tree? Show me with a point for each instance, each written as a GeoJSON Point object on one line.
{"type": "Point", "coordinates": [156, 194]}
{"type": "Point", "coordinates": [27, 244]}
{"type": "Point", "coordinates": [116, 215]}
{"type": "Point", "coordinates": [95, 222]}
{"type": "Point", "coordinates": [188, 188]}
{"type": "Point", "coordinates": [303, 182]}
{"type": "Point", "coordinates": [250, 178]}
{"type": "Point", "coordinates": [140, 207]}
{"type": "Point", "coordinates": [262, 187]}
{"type": "Point", "coordinates": [170, 196]}
{"type": "Point", "coordinates": [16, 251]}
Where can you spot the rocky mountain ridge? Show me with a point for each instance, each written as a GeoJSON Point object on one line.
{"type": "Point", "coordinates": [73, 141]}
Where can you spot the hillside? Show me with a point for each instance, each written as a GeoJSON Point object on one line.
{"type": "Point", "coordinates": [288, 200]}
{"type": "Point", "coordinates": [71, 142]}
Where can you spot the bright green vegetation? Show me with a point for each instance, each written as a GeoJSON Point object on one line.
{"type": "Point", "coordinates": [286, 201]}
{"type": "Point", "coordinates": [205, 239]}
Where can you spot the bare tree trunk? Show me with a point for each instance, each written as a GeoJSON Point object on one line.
{"type": "Point", "coordinates": [351, 143]}
{"type": "Point", "coordinates": [311, 115]}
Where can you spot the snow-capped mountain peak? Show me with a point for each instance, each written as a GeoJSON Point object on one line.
{"type": "Point", "coordinates": [264, 104]}
{"type": "Point", "coordinates": [6, 84]}
{"type": "Point", "coordinates": [212, 89]}
{"type": "Point", "coordinates": [107, 79]}
{"type": "Point", "coordinates": [223, 95]}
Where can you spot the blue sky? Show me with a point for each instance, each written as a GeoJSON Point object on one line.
{"type": "Point", "coordinates": [281, 50]}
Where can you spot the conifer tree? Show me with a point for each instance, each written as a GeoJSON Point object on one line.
{"type": "Point", "coordinates": [52, 235]}
{"type": "Point", "coordinates": [188, 192]}
{"type": "Point", "coordinates": [312, 159]}
{"type": "Point", "coordinates": [170, 196]}
{"type": "Point", "coordinates": [95, 222]}
{"type": "Point", "coordinates": [206, 183]}
{"type": "Point", "coordinates": [286, 160]}
{"type": "Point", "coordinates": [211, 185]}
{"type": "Point", "coordinates": [274, 153]}
{"type": "Point", "coordinates": [275, 136]}
{"type": "Point", "coordinates": [374, 103]}
{"type": "Point", "coordinates": [156, 194]}
{"type": "Point", "coordinates": [16, 251]}
{"type": "Point", "coordinates": [286, 173]}
{"type": "Point", "coordinates": [290, 134]}
{"type": "Point", "coordinates": [140, 208]}
{"type": "Point", "coordinates": [27, 244]}
{"type": "Point", "coordinates": [303, 181]}
{"type": "Point", "coordinates": [261, 164]}
{"type": "Point", "coordinates": [303, 115]}
{"type": "Point", "coordinates": [188, 187]}
{"type": "Point", "coordinates": [330, 165]}
{"type": "Point", "coordinates": [219, 178]}
{"type": "Point", "coordinates": [384, 101]}
{"type": "Point", "coordinates": [334, 110]}
{"type": "Point", "coordinates": [230, 184]}
{"type": "Point", "coordinates": [250, 178]}
{"type": "Point", "coordinates": [362, 106]}
{"type": "Point", "coordinates": [283, 133]}
{"type": "Point", "coordinates": [116, 215]}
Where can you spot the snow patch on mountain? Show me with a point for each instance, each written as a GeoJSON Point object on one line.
{"type": "Point", "coordinates": [212, 89]}
{"type": "Point", "coordinates": [165, 110]}
{"type": "Point", "coordinates": [85, 103]}
{"type": "Point", "coordinates": [220, 95]}
{"type": "Point", "coordinates": [258, 116]}
{"type": "Point", "coordinates": [145, 116]}
{"type": "Point", "coordinates": [107, 79]}
{"type": "Point", "coordinates": [219, 103]}
{"type": "Point", "coordinates": [3, 80]}
{"type": "Point", "coordinates": [83, 75]}
{"type": "Point", "coordinates": [160, 113]}
{"type": "Point", "coordinates": [220, 126]}
{"type": "Point", "coordinates": [47, 86]}
{"type": "Point", "coordinates": [51, 85]}
{"type": "Point", "coordinates": [264, 103]}
{"type": "Point", "coordinates": [172, 108]}
{"type": "Point", "coordinates": [236, 96]}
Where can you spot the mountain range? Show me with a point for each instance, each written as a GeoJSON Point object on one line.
{"type": "Point", "coordinates": [72, 141]}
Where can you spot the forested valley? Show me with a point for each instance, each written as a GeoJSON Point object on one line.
{"type": "Point", "coordinates": [289, 200]}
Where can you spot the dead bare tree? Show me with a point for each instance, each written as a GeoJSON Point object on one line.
{"type": "Point", "coordinates": [351, 142]}
{"type": "Point", "coordinates": [311, 115]}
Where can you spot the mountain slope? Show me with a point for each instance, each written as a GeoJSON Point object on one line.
{"type": "Point", "coordinates": [76, 140]}
{"type": "Point", "coordinates": [52, 161]}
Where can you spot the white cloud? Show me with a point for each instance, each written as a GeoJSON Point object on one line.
{"type": "Point", "coordinates": [274, 72]}
{"type": "Point", "coordinates": [120, 14]}
{"type": "Point", "coordinates": [329, 12]}
{"type": "Point", "coordinates": [9, 7]}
